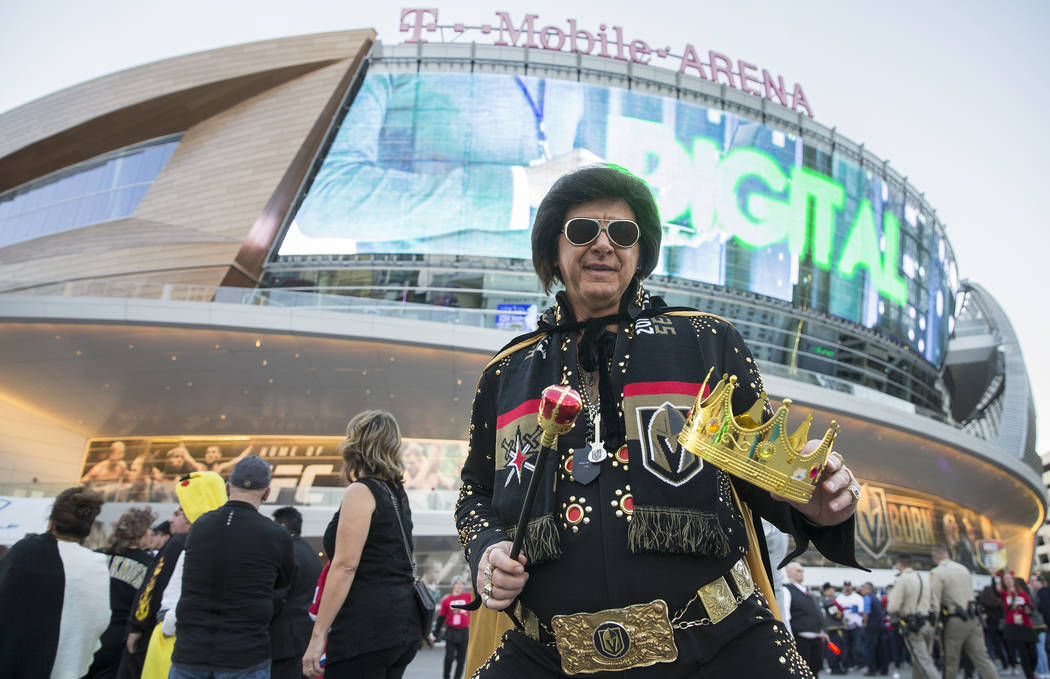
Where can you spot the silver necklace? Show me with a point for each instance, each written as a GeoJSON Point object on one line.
{"type": "Point", "coordinates": [597, 453]}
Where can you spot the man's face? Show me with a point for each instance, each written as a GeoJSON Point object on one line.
{"type": "Point", "coordinates": [179, 522]}
{"type": "Point", "coordinates": [457, 587]}
{"type": "Point", "coordinates": [412, 459]}
{"type": "Point", "coordinates": [116, 450]}
{"type": "Point", "coordinates": [597, 274]}
{"type": "Point", "coordinates": [951, 528]}
{"type": "Point", "coordinates": [847, 588]}
{"type": "Point", "coordinates": [794, 573]}
{"type": "Point", "coordinates": [1034, 584]}
{"type": "Point", "coordinates": [212, 454]}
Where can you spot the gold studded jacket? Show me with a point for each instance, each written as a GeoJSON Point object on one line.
{"type": "Point", "coordinates": [657, 522]}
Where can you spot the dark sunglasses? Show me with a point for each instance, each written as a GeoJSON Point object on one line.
{"type": "Point", "coordinates": [623, 233]}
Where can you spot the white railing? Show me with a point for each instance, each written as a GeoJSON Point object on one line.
{"type": "Point", "coordinates": [349, 301]}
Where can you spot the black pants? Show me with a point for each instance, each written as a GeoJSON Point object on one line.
{"type": "Point", "coordinates": [455, 650]}
{"type": "Point", "coordinates": [389, 663]}
{"type": "Point", "coordinates": [1024, 648]}
{"type": "Point", "coordinates": [997, 647]}
{"type": "Point", "coordinates": [131, 663]}
{"type": "Point", "coordinates": [287, 668]}
{"type": "Point", "coordinates": [836, 661]}
{"type": "Point", "coordinates": [854, 651]}
{"type": "Point", "coordinates": [812, 651]}
{"type": "Point", "coordinates": [762, 650]}
{"type": "Point", "coordinates": [877, 650]}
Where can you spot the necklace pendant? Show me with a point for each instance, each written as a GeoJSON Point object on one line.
{"type": "Point", "coordinates": [597, 453]}
{"type": "Point", "coordinates": [583, 472]}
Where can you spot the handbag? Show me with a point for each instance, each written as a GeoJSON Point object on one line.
{"type": "Point", "coordinates": [424, 599]}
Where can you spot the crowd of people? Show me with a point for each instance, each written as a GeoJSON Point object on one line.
{"type": "Point", "coordinates": [936, 623]}
{"type": "Point", "coordinates": [220, 590]}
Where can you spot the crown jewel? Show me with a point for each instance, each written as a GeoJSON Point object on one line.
{"type": "Point", "coordinates": [762, 453]}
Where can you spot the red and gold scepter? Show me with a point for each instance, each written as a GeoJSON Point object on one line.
{"type": "Point", "coordinates": [559, 406]}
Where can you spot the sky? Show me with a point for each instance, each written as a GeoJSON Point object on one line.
{"type": "Point", "coordinates": [954, 94]}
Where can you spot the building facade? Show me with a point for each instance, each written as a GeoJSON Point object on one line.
{"type": "Point", "coordinates": [236, 250]}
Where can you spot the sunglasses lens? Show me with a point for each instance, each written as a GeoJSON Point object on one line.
{"type": "Point", "coordinates": [623, 233]}
{"type": "Point", "coordinates": [580, 230]}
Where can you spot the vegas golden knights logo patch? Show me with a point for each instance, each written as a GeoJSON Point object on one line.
{"type": "Point", "coordinates": [873, 521]}
{"type": "Point", "coordinates": [655, 413]}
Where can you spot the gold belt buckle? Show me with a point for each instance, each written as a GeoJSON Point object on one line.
{"type": "Point", "coordinates": [615, 639]}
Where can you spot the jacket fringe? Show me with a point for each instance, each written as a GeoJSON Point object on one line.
{"type": "Point", "coordinates": [541, 542]}
{"type": "Point", "coordinates": [676, 530]}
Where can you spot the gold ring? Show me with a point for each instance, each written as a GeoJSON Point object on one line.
{"type": "Point", "coordinates": [485, 599]}
{"type": "Point", "coordinates": [487, 573]}
{"type": "Point", "coordinates": [488, 589]}
{"type": "Point", "coordinates": [854, 491]}
{"type": "Point", "coordinates": [839, 456]}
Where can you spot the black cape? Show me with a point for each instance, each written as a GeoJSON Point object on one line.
{"type": "Point", "coordinates": [32, 584]}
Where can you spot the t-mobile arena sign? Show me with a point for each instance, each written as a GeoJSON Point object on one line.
{"type": "Point", "coordinates": [718, 68]}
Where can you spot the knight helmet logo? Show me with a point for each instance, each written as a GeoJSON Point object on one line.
{"type": "Point", "coordinates": [611, 640]}
{"type": "Point", "coordinates": [873, 524]}
{"type": "Point", "coordinates": [661, 453]}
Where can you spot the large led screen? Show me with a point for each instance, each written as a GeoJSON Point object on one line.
{"type": "Point", "coordinates": [456, 164]}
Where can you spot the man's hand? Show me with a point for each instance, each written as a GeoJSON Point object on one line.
{"type": "Point", "coordinates": [132, 641]}
{"type": "Point", "coordinates": [836, 494]}
{"type": "Point", "coordinates": [501, 579]}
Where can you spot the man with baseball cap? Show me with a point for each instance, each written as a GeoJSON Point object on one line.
{"type": "Point", "coordinates": [235, 559]}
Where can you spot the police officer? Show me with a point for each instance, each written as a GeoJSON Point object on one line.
{"type": "Point", "coordinates": [909, 602]}
{"type": "Point", "coordinates": [951, 593]}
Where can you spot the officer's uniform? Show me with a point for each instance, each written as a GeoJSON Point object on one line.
{"type": "Point", "coordinates": [910, 597]}
{"type": "Point", "coordinates": [951, 590]}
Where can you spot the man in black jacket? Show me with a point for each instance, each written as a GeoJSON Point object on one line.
{"type": "Point", "coordinates": [236, 562]}
{"type": "Point", "coordinates": [147, 601]}
{"type": "Point", "coordinates": [291, 628]}
{"type": "Point", "coordinates": [803, 618]}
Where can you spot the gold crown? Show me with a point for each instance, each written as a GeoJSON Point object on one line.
{"type": "Point", "coordinates": [761, 453]}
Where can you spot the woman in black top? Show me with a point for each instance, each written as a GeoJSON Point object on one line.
{"type": "Point", "coordinates": [368, 615]}
{"type": "Point", "coordinates": [128, 563]}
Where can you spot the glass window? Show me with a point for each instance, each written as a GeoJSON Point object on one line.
{"type": "Point", "coordinates": [102, 189]}
{"type": "Point", "coordinates": [440, 164]}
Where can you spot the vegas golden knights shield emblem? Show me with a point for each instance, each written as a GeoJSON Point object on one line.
{"type": "Point", "coordinates": [873, 521]}
{"type": "Point", "coordinates": [611, 640]}
{"type": "Point", "coordinates": [662, 455]}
